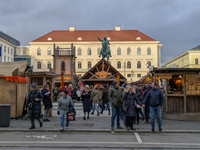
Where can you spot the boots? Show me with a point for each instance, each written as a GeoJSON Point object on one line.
{"type": "Point", "coordinates": [109, 113]}
{"type": "Point", "coordinates": [32, 127]}
{"type": "Point", "coordinates": [92, 113]}
{"type": "Point", "coordinates": [97, 113]}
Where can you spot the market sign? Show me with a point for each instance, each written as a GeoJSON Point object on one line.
{"type": "Point", "coordinates": [165, 75]}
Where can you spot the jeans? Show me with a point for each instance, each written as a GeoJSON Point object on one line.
{"type": "Point", "coordinates": [157, 111]}
{"type": "Point", "coordinates": [62, 121]}
{"type": "Point", "coordinates": [108, 106]}
{"type": "Point", "coordinates": [56, 96]}
{"type": "Point", "coordinates": [95, 106]}
{"type": "Point", "coordinates": [115, 112]}
{"type": "Point", "coordinates": [46, 113]}
{"type": "Point", "coordinates": [73, 101]}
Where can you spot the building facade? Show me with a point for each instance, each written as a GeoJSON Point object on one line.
{"type": "Point", "coordinates": [131, 50]}
{"type": "Point", "coordinates": [23, 53]}
{"type": "Point", "coordinates": [188, 59]}
{"type": "Point", "coordinates": [7, 47]}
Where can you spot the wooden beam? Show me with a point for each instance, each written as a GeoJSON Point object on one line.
{"type": "Point", "coordinates": [184, 91]}
{"type": "Point", "coordinates": [94, 75]}
{"type": "Point", "coordinates": [97, 68]}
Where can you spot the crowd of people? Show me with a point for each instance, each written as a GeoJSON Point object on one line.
{"type": "Point", "coordinates": [129, 103]}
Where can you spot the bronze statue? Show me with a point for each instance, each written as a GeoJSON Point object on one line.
{"type": "Point", "coordinates": [105, 51]}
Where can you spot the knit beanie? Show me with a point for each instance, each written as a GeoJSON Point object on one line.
{"type": "Point", "coordinates": [34, 85]}
{"type": "Point", "coordinates": [66, 92]}
{"type": "Point", "coordinates": [114, 83]}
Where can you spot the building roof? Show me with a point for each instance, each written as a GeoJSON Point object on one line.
{"type": "Point", "coordinates": [196, 48]}
{"type": "Point", "coordinates": [91, 36]}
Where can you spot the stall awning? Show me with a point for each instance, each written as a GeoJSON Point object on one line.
{"type": "Point", "coordinates": [16, 79]}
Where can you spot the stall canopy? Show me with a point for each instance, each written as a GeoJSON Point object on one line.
{"type": "Point", "coordinates": [147, 79]}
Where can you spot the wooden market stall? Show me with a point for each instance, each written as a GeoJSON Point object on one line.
{"type": "Point", "coordinates": [182, 92]}
{"type": "Point", "coordinates": [13, 86]}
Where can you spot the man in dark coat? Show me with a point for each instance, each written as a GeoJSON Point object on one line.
{"type": "Point", "coordinates": [33, 102]}
{"type": "Point", "coordinates": [105, 100]}
{"type": "Point", "coordinates": [47, 102]}
{"type": "Point", "coordinates": [147, 109]}
{"type": "Point", "coordinates": [156, 100]}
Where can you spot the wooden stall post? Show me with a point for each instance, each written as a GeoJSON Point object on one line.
{"type": "Point", "coordinates": [184, 90]}
{"type": "Point", "coordinates": [166, 92]}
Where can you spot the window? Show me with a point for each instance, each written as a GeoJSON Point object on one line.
{"type": "Point", "coordinates": [4, 58]}
{"type": "Point", "coordinates": [63, 65]}
{"type": "Point", "coordinates": [49, 65]}
{"type": "Point", "coordinates": [39, 65]}
{"type": "Point", "coordinates": [79, 65]}
{"type": "Point", "coordinates": [11, 59]}
{"type": "Point", "coordinates": [8, 59]}
{"type": "Point", "coordinates": [79, 51]}
{"type": "Point", "coordinates": [49, 51]}
{"type": "Point", "coordinates": [11, 51]}
{"type": "Point", "coordinates": [79, 75]}
{"type": "Point", "coordinates": [129, 51]}
{"type": "Point", "coordinates": [128, 64]}
{"type": "Point", "coordinates": [119, 51]}
{"type": "Point", "coordinates": [5, 49]}
{"type": "Point", "coordinates": [49, 39]}
{"type": "Point", "coordinates": [89, 51]}
{"type": "Point", "coordinates": [138, 64]}
{"type": "Point", "coordinates": [149, 63]}
{"type": "Point", "coordinates": [38, 51]}
{"type": "Point", "coordinates": [128, 75]}
{"type": "Point", "coordinates": [148, 51]}
{"type": "Point", "coordinates": [24, 51]}
{"type": "Point", "coordinates": [98, 51]}
{"type": "Point", "coordinates": [39, 81]}
{"type": "Point", "coordinates": [139, 75]}
{"type": "Point", "coordinates": [8, 50]}
{"type": "Point", "coordinates": [119, 64]}
{"type": "Point", "coordinates": [89, 65]}
{"type": "Point", "coordinates": [138, 38]}
{"type": "Point", "coordinates": [138, 51]}
{"type": "Point", "coordinates": [196, 61]}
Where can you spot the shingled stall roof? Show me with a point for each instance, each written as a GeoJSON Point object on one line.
{"type": "Point", "coordinates": [166, 70]}
{"type": "Point", "coordinates": [91, 36]}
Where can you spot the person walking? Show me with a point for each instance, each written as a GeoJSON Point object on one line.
{"type": "Point", "coordinates": [47, 102]}
{"type": "Point", "coordinates": [33, 102]}
{"type": "Point", "coordinates": [56, 92]}
{"type": "Point", "coordinates": [72, 93]}
{"type": "Point", "coordinates": [64, 105]}
{"type": "Point", "coordinates": [95, 99]}
{"type": "Point", "coordinates": [130, 100]}
{"type": "Point", "coordinates": [115, 96]}
{"type": "Point", "coordinates": [138, 107]}
{"type": "Point", "coordinates": [156, 98]}
{"type": "Point", "coordinates": [78, 93]}
{"type": "Point", "coordinates": [105, 100]}
{"type": "Point", "coordinates": [147, 107]}
{"type": "Point", "coordinates": [86, 95]}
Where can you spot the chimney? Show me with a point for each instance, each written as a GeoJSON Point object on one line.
{"type": "Point", "coordinates": [71, 28]}
{"type": "Point", "coordinates": [117, 28]}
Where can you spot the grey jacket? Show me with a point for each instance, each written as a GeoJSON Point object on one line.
{"type": "Point", "coordinates": [63, 105]}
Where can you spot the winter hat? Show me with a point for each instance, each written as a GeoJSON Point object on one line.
{"type": "Point", "coordinates": [87, 86]}
{"type": "Point", "coordinates": [70, 85]}
{"type": "Point", "coordinates": [127, 86]}
{"type": "Point", "coordinates": [136, 87]}
{"type": "Point", "coordinates": [105, 86]}
{"type": "Point", "coordinates": [34, 85]}
{"type": "Point", "coordinates": [66, 92]}
{"type": "Point", "coordinates": [114, 83]}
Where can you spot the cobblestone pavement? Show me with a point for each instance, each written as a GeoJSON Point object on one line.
{"type": "Point", "coordinates": [100, 122]}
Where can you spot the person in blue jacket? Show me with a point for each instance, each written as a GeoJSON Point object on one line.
{"type": "Point", "coordinates": [156, 100]}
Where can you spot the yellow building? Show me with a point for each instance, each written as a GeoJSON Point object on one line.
{"type": "Point", "coordinates": [131, 50]}
{"type": "Point", "coordinates": [188, 59]}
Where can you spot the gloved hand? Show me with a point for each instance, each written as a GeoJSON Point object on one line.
{"type": "Point", "coordinates": [58, 112]}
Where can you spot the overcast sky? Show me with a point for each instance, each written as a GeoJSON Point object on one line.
{"type": "Point", "coordinates": [175, 23]}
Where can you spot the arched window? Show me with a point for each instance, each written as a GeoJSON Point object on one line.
{"type": "Point", "coordinates": [98, 51]}
{"type": "Point", "coordinates": [119, 64]}
{"type": "Point", "coordinates": [89, 65]}
{"type": "Point", "coordinates": [49, 51]}
{"type": "Point", "coordinates": [138, 51]}
{"type": "Point", "coordinates": [49, 65]}
{"type": "Point", "coordinates": [128, 64]}
{"type": "Point", "coordinates": [89, 51]}
{"type": "Point", "coordinates": [148, 51]}
{"type": "Point", "coordinates": [39, 65]}
{"type": "Point", "coordinates": [139, 64]}
{"type": "Point", "coordinates": [63, 65]}
{"type": "Point", "coordinates": [149, 63]}
{"type": "Point", "coordinates": [119, 51]}
{"type": "Point", "coordinates": [129, 51]}
{"type": "Point", "coordinates": [79, 51]}
{"type": "Point", "coordinates": [38, 51]}
{"type": "Point", "coordinates": [79, 65]}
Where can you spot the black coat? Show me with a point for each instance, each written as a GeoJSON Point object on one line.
{"type": "Point", "coordinates": [46, 98]}
{"type": "Point", "coordinates": [73, 94]}
{"type": "Point", "coordinates": [36, 110]}
{"type": "Point", "coordinates": [130, 99]}
{"type": "Point", "coordinates": [105, 96]}
{"type": "Point", "coordinates": [86, 101]}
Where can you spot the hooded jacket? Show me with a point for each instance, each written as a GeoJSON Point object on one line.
{"type": "Point", "coordinates": [115, 96]}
